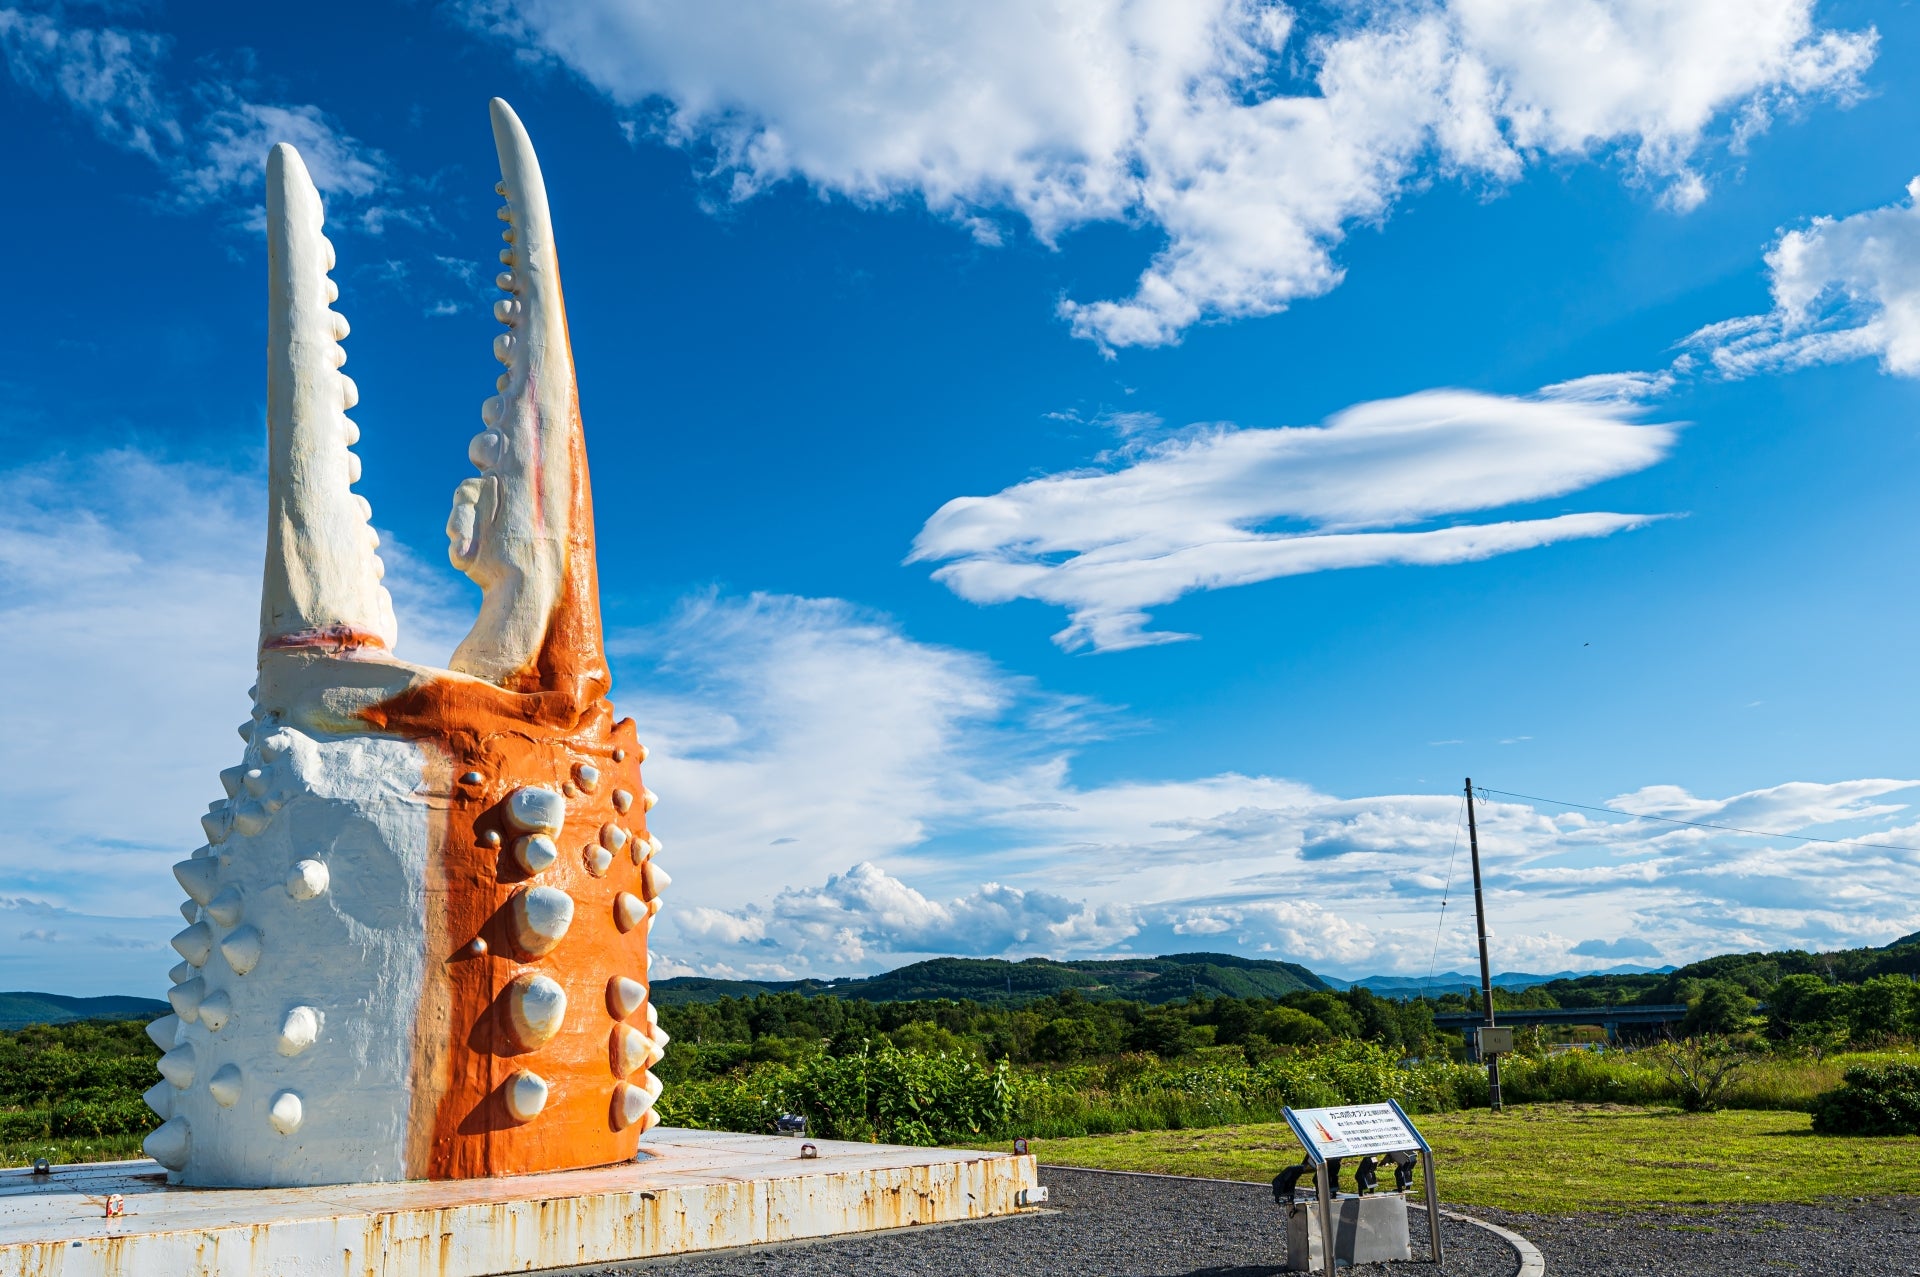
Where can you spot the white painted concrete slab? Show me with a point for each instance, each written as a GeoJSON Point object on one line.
{"type": "Point", "coordinates": [696, 1190]}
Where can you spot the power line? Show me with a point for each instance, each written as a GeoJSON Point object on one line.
{"type": "Point", "coordinates": [1446, 891]}
{"type": "Point", "coordinates": [1696, 824]}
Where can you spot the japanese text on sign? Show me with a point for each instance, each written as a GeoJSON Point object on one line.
{"type": "Point", "coordinates": [1356, 1130]}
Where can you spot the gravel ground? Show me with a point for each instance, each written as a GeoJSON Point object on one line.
{"type": "Point", "coordinates": [1100, 1225]}
{"type": "Point", "coordinates": [1828, 1239]}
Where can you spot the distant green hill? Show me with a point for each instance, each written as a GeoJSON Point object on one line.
{"type": "Point", "coordinates": [17, 1010]}
{"type": "Point", "coordinates": [997, 982]}
{"type": "Point", "coordinates": [1755, 972]}
{"type": "Point", "coordinates": [682, 989]}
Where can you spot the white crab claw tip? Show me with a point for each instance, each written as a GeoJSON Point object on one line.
{"type": "Point", "coordinates": [321, 578]}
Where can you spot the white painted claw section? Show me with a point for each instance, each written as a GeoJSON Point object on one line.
{"type": "Point", "coordinates": [166, 1030]}
{"type": "Point", "coordinates": [170, 1144]}
{"type": "Point", "coordinates": [298, 1031]}
{"type": "Point", "coordinates": [286, 1112]}
{"type": "Point", "coordinates": [195, 943]}
{"type": "Point", "coordinates": [225, 1085]}
{"type": "Point", "coordinates": [307, 879]}
{"type": "Point", "coordinates": [177, 1066]}
{"type": "Point", "coordinates": [242, 949]}
{"type": "Point", "coordinates": [295, 1067]}
{"type": "Point", "coordinates": [509, 529]}
{"type": "Point", "coordinates": [322, 583]}
{"type": "Point", "coordinates": [198, 878]}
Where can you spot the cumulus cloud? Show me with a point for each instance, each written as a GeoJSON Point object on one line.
{"type": "Point", "coordinates": [210, 137]}
{"type": "Point", "coordinates": [1625, 948]}
{"type": "Point", "coordinates": [1250, 136]}
{"type": "Point", "coordinates": [1199, 512]}
{"type": "Point", "coordinates": [1843, 288]}
{"type": "Point", "coordinates": [867, 913]}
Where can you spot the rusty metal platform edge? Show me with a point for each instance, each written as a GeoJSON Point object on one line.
{"type": "Point", "coordinates": [695, 1191]}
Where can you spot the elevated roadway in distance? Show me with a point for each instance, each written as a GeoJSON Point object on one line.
{"type": "Point", "coordinates": [1612, 1019]}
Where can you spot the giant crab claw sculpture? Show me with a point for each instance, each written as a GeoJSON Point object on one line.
{"type": "Point", "coordinates": [416, 941]}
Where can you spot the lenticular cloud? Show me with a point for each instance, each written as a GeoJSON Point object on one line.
{"type": "Point", "coordinates": [1226, 506]}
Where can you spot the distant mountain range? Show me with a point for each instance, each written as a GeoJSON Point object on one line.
{"type": "Point", "coordinates": [995, 981]}
{"type": "Point", "coordinates": [17, 1010]}
{"type": "Point", "coordinates": [1167, 978]}
{"type": "Point", "coordinates": [998, 982]}
{"type": "Point", "coordinates": [1404, 986]}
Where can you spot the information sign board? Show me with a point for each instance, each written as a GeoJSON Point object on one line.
{"type": "Point", "coordinates": [1355, 1130]}
{"type": "Point", "coordinates": [1359, 1130]}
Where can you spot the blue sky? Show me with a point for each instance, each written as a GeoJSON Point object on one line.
{"type": "Point", "coordinates": [1074, 479]}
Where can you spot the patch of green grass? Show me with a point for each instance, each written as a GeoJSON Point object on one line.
{"type": "Point", "coordinates": [102, 1148]}
{"type": "Point", "coordinates": [1561, 1158]}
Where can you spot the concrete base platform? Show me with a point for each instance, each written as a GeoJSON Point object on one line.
{"type": "Point", "coordinates": [694, 1191]}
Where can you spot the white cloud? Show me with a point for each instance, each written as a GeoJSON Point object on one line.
{"type": "Point", "coordinates": [109, 77]}
{"type": "Point", "coordinates": [1786, 808]}
{"type": "Point", "coordinates": [793, 738]}
{"type": "Point", "coordinates": [129, 614]}
{"type": "Point", "coordinates": [866, 914]}
{"type": "Point", "coordinates": [114, 79]}
{"type": "Point", "coordinates": [1250, 138]}
{"type": "Point", "coordinates": [1197, 512]}
{"type": "Point", "coordinates": [1843, 288]}
{"type": "Point", "coordinates": [236, 135]}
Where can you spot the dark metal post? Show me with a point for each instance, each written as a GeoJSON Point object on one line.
{"type": "Point", "coordinates": [1486, 970]}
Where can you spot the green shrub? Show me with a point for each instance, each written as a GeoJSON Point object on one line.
{"type": "Point", "coordinates": [1804, 1003]}
{"type": "Point", "coordinates": [1718, 1007]}
{"type": "Point", "coordinates": [1881, 1009]}
{"type": "Point", "coordinates": [1871, 1100]}
{"type": "Point", "coordinates": [1067, 1039]}
{"type": "Point", "coordinates": [748, 1101]}
{"type": "Point", "coordinates": [1290, 1026]}
{"type": "Point", "coordinates": [899, 1097]}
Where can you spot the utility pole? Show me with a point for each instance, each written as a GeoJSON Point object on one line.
{"type": "Point", "coordinates": [1486, 970]}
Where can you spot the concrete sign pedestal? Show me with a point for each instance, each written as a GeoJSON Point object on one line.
{"type": "Point", "coordinates": [690, 1191]}
{"type": "Point", "coordinates": [1366, 1230]}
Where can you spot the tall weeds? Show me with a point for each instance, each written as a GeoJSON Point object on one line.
{"type": "Point", "coordinates": [914, 1098]}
